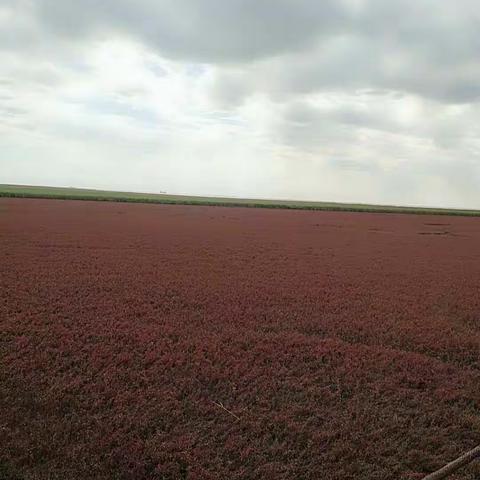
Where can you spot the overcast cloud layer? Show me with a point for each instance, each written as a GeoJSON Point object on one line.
{"type": "Point", "coordinates": [374, 101]}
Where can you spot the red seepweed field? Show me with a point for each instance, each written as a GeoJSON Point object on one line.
{"type": "Point", "coordinates": [186, 342]}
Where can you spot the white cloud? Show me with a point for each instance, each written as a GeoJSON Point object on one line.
{"type": "Point", "coordinates": [352, 100]}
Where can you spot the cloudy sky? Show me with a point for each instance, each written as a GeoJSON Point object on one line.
{"type": "Point", "coordinates": [374, 101]}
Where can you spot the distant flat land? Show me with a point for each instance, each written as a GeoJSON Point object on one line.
{"type": "Point", "coordinates": [28, 191]}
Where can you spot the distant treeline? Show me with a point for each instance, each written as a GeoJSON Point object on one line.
{"type": "Point", "coordinates": [244, 203]}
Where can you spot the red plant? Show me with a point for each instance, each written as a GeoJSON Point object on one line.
{"type": "Point", "coordinates": [174, 342]}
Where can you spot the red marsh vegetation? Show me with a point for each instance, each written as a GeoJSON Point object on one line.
{"type": "Point", "coordinates": [185, 342]}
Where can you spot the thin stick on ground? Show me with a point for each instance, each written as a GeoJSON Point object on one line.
{"type": "Point", "coordinates": [455, 465]}
{"type": "Point", "coordinates": [226, 409]}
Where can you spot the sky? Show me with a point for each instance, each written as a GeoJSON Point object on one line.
{"type": "Point", "coordinates": [372, 101]}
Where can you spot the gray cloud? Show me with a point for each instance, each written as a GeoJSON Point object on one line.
{"type": "Point", "coordinates": [378, 98]}
{"type": "Point", "coordinates": [430, 48]}
{"type": "Point", "coordinates": [208, 31]}
{"type": "Point", "coordinates": [352, 62]}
